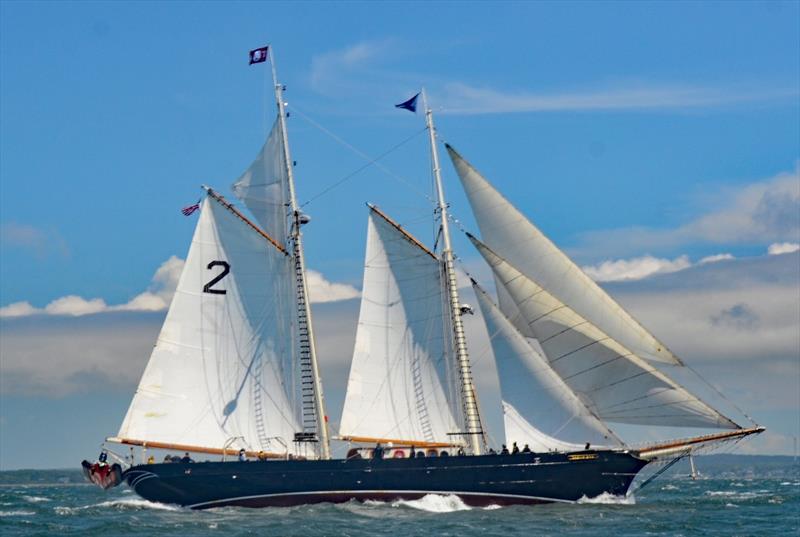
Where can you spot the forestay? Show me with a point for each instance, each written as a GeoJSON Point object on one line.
{"type": "Point", "coordinates": [397, 384]}
{"type": "Point", "coordinates": [614, 383]}
{"type": "Point", "coordinates": [516, 239]}
{"type": "Point", "coordinates": [539, 409]}
{"type": "Point", "coordinates": [263, 188]}
{"type": "Point", "coordinates": [221, 368]}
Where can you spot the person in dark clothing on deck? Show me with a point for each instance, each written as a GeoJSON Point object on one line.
{"type": "Point", "coordinates": [377, 453]}
{"type": "Point", "coordinates": [504, 451]}
{"type": "Point", "coordinates": [186, 458]}
{"type": "Point", "coordinates": [526, 449]}
{"type": "Point", "coordinates": [515, 449]}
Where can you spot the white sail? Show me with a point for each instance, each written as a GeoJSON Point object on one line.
{"type": "Point", "coordinates": [263, 188]}
{"type": "Point", "coordinates": [221, 368]}
{"type": "Point", "coordinates": [516, 239]}
{"type": "Point", "coordinates": [614, 383]}
{"type": "Point", "coordinates": [397, 384]}
{"type": "Point", "coordinates": [539, 409]}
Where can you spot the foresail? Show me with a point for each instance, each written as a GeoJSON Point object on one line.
{"type": "Point", "coordinates": [614, 383]}
{"type": "Point", "coordinates": [539, 409]}
{"type": "Point", "coordinates": [516, 239]}
{"type": "Point", "coordinates": [220, 374]}
{"type": "Point", "coordinates": [263, 188]}
{"type": "Point", "coordinates": [398, 386]}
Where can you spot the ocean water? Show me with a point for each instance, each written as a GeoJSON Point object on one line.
{"type": "Point", "coordinates": [59, 503]}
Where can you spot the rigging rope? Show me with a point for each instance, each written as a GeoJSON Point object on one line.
{"type": "Point", "coordinates": [719, 393]}
{"type": "Point", "coordinates": [370, 160]}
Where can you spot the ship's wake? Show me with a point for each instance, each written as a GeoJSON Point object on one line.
{"type": "Point", "coordinates": [125, 504]}
{"type": "Point", "coordinates": [609, 499]}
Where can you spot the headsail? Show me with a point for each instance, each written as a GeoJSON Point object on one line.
{"type": "Point", "coordinates": [516, 239]}
{"type": "Point", "coordinates": [398, 378]}
{"type": "Point", "coordinates": [221, 368]}
{"type": "Point", "coordinates": [263, 188]}
{"type": "Point", "coordinates": [614, 383]}
{"type": "Point", "coordinates": [539, 409]}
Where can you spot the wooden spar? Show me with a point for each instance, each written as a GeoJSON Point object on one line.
{"type": "Point", "coordinates": [397, 442]}
{"type": "Point", "coordinates": [413, 240]}
{"type": "Point", "coordinates": [678, 445]}
{"type": "Point", "coordinates": [222, 201]}
{"type": "Point", "coordinates": [192, 449]}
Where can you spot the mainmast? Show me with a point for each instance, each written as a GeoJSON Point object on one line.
{"type": "Point", "coordinates": [472, 420]}
{"type": "Point", "coordinates": [314, 416]}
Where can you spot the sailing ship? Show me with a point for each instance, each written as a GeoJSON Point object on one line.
{"type": "Point", "coordinates": [235, 373]}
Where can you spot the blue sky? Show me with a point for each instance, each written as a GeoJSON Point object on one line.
{"type": "Point", "coordinates": [623, 130]}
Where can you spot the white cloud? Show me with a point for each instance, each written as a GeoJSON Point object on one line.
{"type": "Point", "coordinates": [638, 268]}
{"type": "Point", "coordinates": [321, 290]}
{"type": "Point", "coordinates": [159, 295]}
{"type": "Point", "coordinates": [162, 287]}
{"type": "Point", "coordinates": [779, 248]}
{"type": "Point", "coordinates": [38, 241]}
{"type": "Point", "coordinates": [757, 213]}
{"type": "Point", "coordinates": [18, 309]}
{"type": "Point", "coordinates": [75, 305]}
{"type": "Point", "coordinates": [372, 71]}
{"type": "Point", "coordinates": [715, 258]}
{"type": "Point", "coordinates": [635, 269]}
{"type": "Point", "coordinates": [466, 99]}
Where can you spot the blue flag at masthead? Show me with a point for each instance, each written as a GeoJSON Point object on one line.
{"type": "Point", "coordinates": [410, 105]}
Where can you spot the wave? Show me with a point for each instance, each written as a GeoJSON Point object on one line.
{"type": "Point", "coordinates": [134, 504]}
{"type": "Point", "coordinates": [435, 503]}
{"type": "Point", "coordinates": [609, 499]}
{"type": "Point", "coordinates": [36, 499]}
{"type": "Point", "coordinates": [16, 513]}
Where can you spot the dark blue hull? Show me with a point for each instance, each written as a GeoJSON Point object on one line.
{"type": "Point", "coordinates": [480, 480]}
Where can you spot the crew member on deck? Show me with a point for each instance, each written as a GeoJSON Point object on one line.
{"type": "Point", "coordinates": [515, 449]}
{"type": "Point", "coordinates": [242, 455]}
{"type": "Point", "coordinates": [504, 451]}
{"type": "Point", "coordinates": [377, 453]}
{"type": "Point", "coordinates": [186, 458]}
{"type": "Point", "coordinates": [526, 449]}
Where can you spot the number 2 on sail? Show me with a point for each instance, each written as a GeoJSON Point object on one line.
{"type": "Point", "coordinates": [226, 268]}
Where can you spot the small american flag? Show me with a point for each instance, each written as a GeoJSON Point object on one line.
{"type": "Point", "coordinates": [190, 209]}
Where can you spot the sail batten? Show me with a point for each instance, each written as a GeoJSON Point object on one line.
{"type": "Point", "coordinates": [539, 409]}
{"type": "Point", "coordinates": [613, 381]}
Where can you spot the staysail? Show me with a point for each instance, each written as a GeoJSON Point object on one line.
{"type": "Point", "coordinates": [517, 240]}
{"type": "Point", "coordinates": [221, 373]}
{"type": "Point", "coordinates": [539, 409]}
{"type": "Point", "coordinates": [263, 188]}
{"type": "Point", "coordinates": [614, 383]}
{"type": "Point", "coordinates": [397, 387]}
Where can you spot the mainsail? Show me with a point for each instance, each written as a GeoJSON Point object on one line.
{"type": "Point", "coordinates": [398, 378]}
{"type": "Point", "coordinates": [263, 188]}
{"type": "Point", "coordinates": [614, 383]}
{"type": "Point", "coordinates": [517, 240]}
{"type": "Point", "coordinates": [221, 373]}
{"type": "Point", "coordinates": [539, 408]}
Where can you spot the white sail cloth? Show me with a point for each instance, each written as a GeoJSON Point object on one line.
{"type": "Point", "coordinates": [539, 409]}
{"type": "Point", "coordinates": [614, 383]}
{"type": "Point", "coordinates": [221, 368]}
{"type": "Point", "coordinates": [397, 384]}
{"type": "Point", "coordinates": [263, 188]}
{"type": "Point", "coordinates": [517, 240]}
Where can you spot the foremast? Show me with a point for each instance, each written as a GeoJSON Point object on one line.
{"type": "Point", "coordinates": [472, 420]}
{"type": "Point", "coordinates": [312, 400]}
